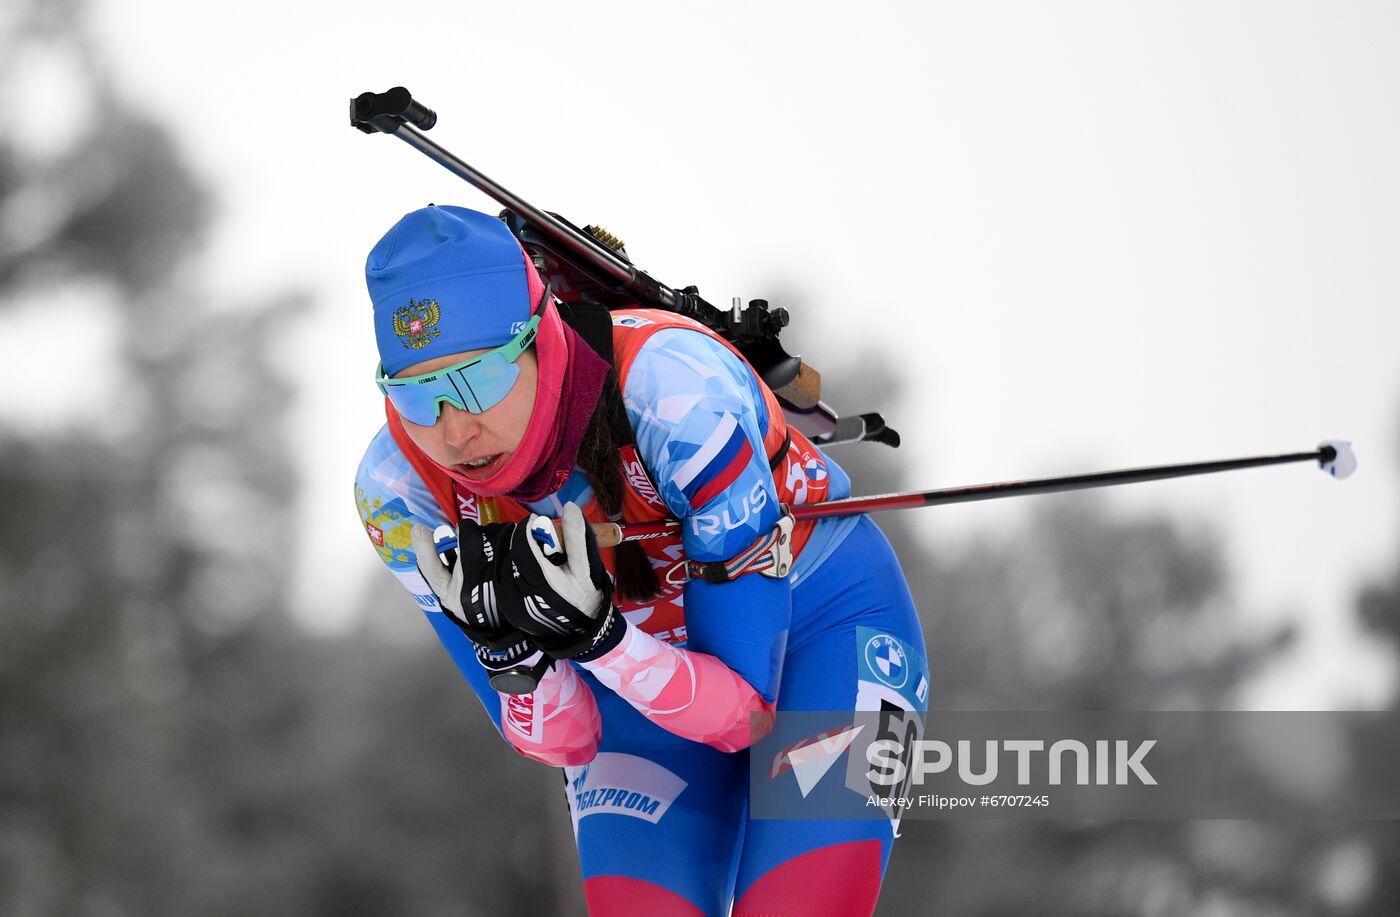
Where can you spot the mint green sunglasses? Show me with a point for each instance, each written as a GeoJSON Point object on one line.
{"type": "Point", "coordinates": [474, 385]}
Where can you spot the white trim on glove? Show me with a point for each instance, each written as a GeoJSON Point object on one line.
{"type": "Point", "coordinates": [571, 577]}
{"type": "Point", "coordinates": [445, 581]}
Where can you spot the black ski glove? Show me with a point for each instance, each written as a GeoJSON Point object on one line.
{"type": "Point", "coordinates": [562, 594]}
{"type": "Point", "coordinates": [466, 591]}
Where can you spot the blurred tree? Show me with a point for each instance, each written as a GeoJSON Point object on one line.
{"type": "Point", "coordinates": [1378, 602]}
{"type": "Point", "coordinates": [169, 742]}
{"type": "Point", "coordinates": [92, 651]}
{"type": "Point", "coordinates": [1378, 607]}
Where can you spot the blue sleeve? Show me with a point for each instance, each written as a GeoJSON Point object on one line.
{"type": "Point", "coordinates": [391, 497]}
{"type": "Point", "coordinates": [699, 416]}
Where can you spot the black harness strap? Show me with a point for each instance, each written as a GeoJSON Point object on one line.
{"type": "Point", "coordinates": [593, 323]}
{"type": "Point", "coordinates": [776, 458]}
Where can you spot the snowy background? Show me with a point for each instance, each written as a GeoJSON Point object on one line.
{"type": "Point", "coordinates": [1039, 238]}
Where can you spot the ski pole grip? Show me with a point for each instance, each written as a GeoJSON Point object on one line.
{"type": "Point", "coordinates": [609, 534]}
{"type": "Point", "coordinates": [388, 111]}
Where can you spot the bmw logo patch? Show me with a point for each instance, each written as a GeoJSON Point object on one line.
{"type": "Point", "coordinates": [887, 660]}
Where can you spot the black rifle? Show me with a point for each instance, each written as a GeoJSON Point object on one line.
{"type": "Point", "coordinates": [591, 263]}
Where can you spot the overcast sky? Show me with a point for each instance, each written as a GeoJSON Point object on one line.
{"type": "Point", "coordinates": [1082, 236]}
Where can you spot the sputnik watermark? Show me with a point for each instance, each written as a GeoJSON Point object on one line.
{"type": "Point", "coordinates": [887, 759]}
{"type": "Point", "coordinates": [892, 763]}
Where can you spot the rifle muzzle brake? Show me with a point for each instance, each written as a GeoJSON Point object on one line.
{"type": "Point", "coordinates": [388, 111]}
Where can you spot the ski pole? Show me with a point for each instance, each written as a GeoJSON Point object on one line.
{"type": "Point", "coordinates": [1333, 456]}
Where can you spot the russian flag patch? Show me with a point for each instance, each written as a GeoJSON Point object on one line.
{"type": "Point", "coordinates": [716, 464]}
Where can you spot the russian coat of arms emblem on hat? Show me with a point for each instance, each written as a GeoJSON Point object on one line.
{"type": "Point", "coordinates": [415, 323]}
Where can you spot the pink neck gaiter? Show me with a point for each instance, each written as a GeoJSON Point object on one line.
{"type": "Point", "coordinates": [571, 378]}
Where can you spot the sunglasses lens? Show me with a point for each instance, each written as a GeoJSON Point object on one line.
{"type": "Point", "coordinates": [487, 382]}
{"type": "Point", "coordinates": [477, 387]}
{"type": "Point", "coordinates": [418, 403]}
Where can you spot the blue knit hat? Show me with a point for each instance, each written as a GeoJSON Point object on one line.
{"type": "Point", "coordinates": [444, 280]}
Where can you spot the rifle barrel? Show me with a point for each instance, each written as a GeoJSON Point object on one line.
{"type": "Point", "coordinates": [577, 243]}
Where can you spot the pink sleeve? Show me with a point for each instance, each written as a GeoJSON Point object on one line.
{"type": "Point", "coordinates": [691, 694]}
{"type": "Point", "coordinates": [557, 723]}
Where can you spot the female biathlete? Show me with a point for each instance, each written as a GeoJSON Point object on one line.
{"type": "Point", "coordinates": [506, 407]}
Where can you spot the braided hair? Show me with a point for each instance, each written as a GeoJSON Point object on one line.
{"type": "Point", "coordinates": [598, 459]}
